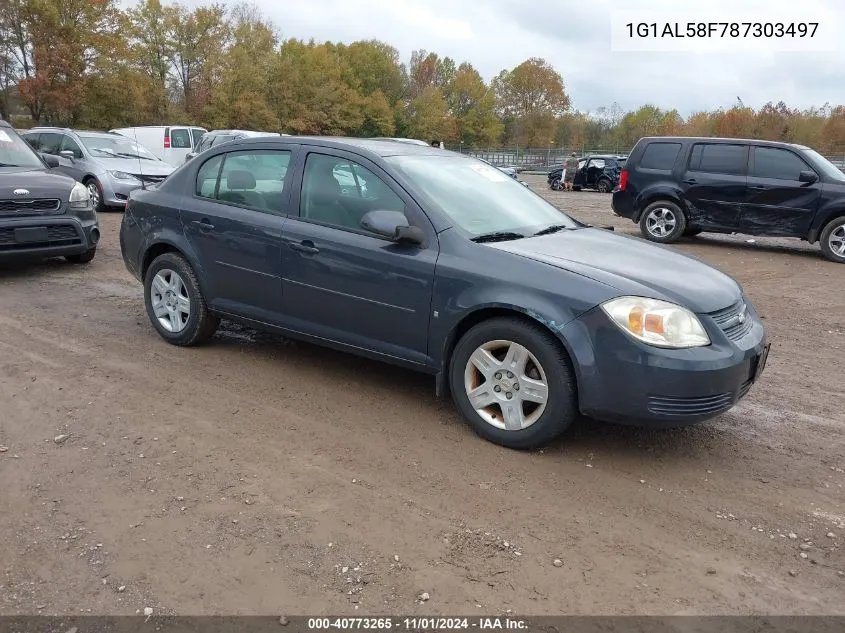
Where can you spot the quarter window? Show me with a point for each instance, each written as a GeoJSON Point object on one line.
{"type": "Point", "coordinates": [780, 164]}
{"type": "Point", "coordinates": [660, 156]}
{"type": "Point", "coordinates": [253, 179]}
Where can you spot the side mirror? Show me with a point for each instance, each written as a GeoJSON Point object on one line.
{"type": "Point", "coordinates": [66, 153]}
{"type": "Point", "coordinates": [393, 225]}
{"type": "Point", "coordinates": [51, 160]}
{"type": "Point", "coordinates": [808, 177]}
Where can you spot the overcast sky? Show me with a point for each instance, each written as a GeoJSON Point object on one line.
{"type": "Point", "coordinates": [575, 37]}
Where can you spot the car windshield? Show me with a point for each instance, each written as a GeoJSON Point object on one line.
{"type": "Point", "coordinates": [478, 197]}
{"type": "Point", "coordinates": [824, 165]}
{"type": "Point", "coordinates": [102, 146]}
{"type": "Point", "coordinates": [14, 151]}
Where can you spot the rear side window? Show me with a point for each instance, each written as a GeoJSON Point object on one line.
{"type": "Point", "coordinates": [207, 177]}
{"type": "Point", "coordinates": [31, 140]}
{"type": "Point", "coordinates": [660, 156]}
{"type": "Point", "coordinates": [253, 179]}
{"type": "Point", "coordinates": [718, 158]}
{"type": "Point", "coordinates": [772, 162]}
{"type": "Point", "coordinates": [180, 138]}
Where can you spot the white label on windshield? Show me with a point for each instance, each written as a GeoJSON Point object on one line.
{"type": "Point", "coordinates": [5, 137]}
{"type": "Point", "coordinates": [490, 173]}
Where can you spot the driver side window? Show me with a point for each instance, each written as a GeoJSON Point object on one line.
{"type": "Point", "coordinates": [339, 192]}
{"type": "Point", "coordinates": [68, 144]}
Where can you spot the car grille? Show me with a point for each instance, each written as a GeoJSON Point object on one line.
{"type": "Point", "coordinates": [150, 180]}
{"type": "Point", "coordinates": [29, 206]}
{"type": "Point", "coordinates": [705, 405]}
{"type": "Point", "coordinates": [734, 321]}
{"type": "Point", "coordinates": [57, 235]}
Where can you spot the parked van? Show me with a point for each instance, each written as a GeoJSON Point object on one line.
{"type": "Point", "coordinates": [171, 143]}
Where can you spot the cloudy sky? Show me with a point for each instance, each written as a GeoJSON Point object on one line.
{"type": "Point", "coordinates": [575, 37]}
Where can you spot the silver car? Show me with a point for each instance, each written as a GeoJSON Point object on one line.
{"type": "Point", "coordinates": [109, 165]}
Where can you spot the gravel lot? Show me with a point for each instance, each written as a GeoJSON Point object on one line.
{"type": "Point", "coordinates": [258, 475]}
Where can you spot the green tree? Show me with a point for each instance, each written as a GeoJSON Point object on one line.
{"type": "Point", "coordinates": [375, 67]}
{"type": "Point", "coordinates": [151, 49]}
{"type": "Point", "coordinates": [428, 116]}
{"type": "Point", "coordinates": [473, 106]}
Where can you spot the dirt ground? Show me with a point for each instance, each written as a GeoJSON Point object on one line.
{"type": "Point", "coordinates": [255, 475]}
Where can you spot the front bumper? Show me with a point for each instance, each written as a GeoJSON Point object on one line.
{"type": "Point", "coordinates": [42, 236]}
{"type": "Point", "coordinates": [116, 192]}
{"type": "Point", "coordinates": [622, 380]}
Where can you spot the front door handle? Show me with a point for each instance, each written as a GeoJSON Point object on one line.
{"type": "Point", "coordinates": [690, 181]}
{"type": "Point", "coordinates": [305, 246]}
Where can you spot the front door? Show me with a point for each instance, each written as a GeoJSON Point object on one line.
{"type": "Point", "coordinates": [714, 184]}
{"type": "Point", "coordinates": [234, 223]}
{"type": "Point", "coordinates": [344, 284]}
{"type": "Point", "coordinates": [778, 202]}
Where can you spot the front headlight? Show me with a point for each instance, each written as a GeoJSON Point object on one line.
{"type": "Point", "coordinates": [80, 198]}
{"type": "Point", "coordinates": [656, 322]}
{"type": "Point", "coordinates": [122, 175]}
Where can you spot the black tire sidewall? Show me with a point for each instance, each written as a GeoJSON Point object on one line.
{"type": "Point", "coordinates": [183, 269]}
{"type": "Point", "coordinates": [680, 226]}
{"type": "Point", "coordinates": [825, 237]}
{"type": "Point", "coordinates": [100, 206]}
{"type": "Point", "coordinates": [556, 184]}
{"type": "Point", "coordinates": [607, 186]}
{"type": "Point", "coordinates": [561, 408]}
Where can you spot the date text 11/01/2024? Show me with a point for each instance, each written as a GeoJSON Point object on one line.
{"type": "Point", "coordinates": [722, 29]}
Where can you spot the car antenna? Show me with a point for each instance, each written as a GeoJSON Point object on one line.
{"type": "Point", "coordinates": [138, 154]}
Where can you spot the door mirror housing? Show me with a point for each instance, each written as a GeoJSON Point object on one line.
{"type": "Point", "coordinates": [49, 159]}
{"type": "Point", "coordinates": [67, 153]}
{"type": "Point", "coordinates": [392, 225]}
{"type": "Point", "coordinates": [808, 176]}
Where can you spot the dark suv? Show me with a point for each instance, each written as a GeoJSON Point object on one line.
{"type": "Point", "coordinates": [675, 186]}
{"type": "Point", "coordinates": [42, 213]}
{"type": "Point", "coordinates": [598, 171]}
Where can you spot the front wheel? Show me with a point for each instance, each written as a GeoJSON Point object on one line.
{"type": "Point", "coordinates": [833, 241]}
{"type": "Point", "coordinates": [96, 193]}
{"type": "Point", "coordinates": [663, 222]}
{"type": "Point", "coordinates": [556, 186]}
{"type": "Point", "coordinates": [174, 302]}
{"type": "Point", "coordinates": [513, 382]}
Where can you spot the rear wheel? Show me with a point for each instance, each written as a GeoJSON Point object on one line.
{"type": "Point", "coordinates": [513, 382]}
{"type": "Point", "coordinates": [174, 302]}
{"type": "Point", "coordinates": [604, 186]}
{"type": "Point", "coordinates": [556, 186]}
{"type": "Point", "coordinates": [832, 240]}
{"type": "Point", "coordinates": [663, 222]}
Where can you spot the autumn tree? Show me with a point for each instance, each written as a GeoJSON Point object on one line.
{"type": "Point", "coordinates": [531, 97]}
{"type": "Point", "coordinates": [428, 116]}
{"type": "Point", "coordinates": [428, 70]}
{"type": "Point", "coordinates": [151, 50]}
{"type": "Point", "coordinates": [472, 105]}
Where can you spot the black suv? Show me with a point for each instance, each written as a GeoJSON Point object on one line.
{"type": "Point", "coordinates": [674, 186]}
{"type": "Point", "coordinates": [42, 213]}
{"type": "Point", "coordinates": [597, 171]}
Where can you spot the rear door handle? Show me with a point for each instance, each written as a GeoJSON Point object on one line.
{"type": "Point", "coordinates": [205, 225]}
{"type": "Point", "coordinates": [305, 246]}
{"type": "Point", "coordinates": [758, 187]}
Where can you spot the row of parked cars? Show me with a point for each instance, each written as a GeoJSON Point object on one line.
{"type": "Point", "coordinates": [407, 254]}
{"type": "Point", "coordinates": [676, 187]}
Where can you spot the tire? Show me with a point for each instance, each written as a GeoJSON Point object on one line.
{"type": "Point", "coordinates": [832, 240]}
{"type": "Point", "coordinates": [663, 222]}
{"type": "Point", "coordinates": [692, 232]}
{"type": "Point", "coordinates": [604, 186]}
{"type": "Point", "coordinates": [82, 258]}
{"type": "Point", "coordinates": [556, 185]}
{"type": "Point", "coordinates": [96, 192]}
{"type": "Point", "coordinates": [168, 295]}
{"type": "Point", "coordinates": [537, 420]}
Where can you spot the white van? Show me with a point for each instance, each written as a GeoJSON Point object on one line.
{"type": "Point", "coordinates": [171, 143]}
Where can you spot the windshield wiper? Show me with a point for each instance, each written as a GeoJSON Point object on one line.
{"type": "Point", "coordinates": [133, 156]}
{"type": "Point", "coordinates": [554, 228]}
{"type": "Point", "coordinates": [497, 236]}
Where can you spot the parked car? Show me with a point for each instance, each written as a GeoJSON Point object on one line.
{"type": "Point", "coordinates": [676, 186]}
{"type": "Point", "coordinates": [109, 165]}
{"type": "Point", "coordinates": [599, 172]}
{"type": "Point", "coordinates": [444, 266]}
{"type": "Point", "coordinates": [43, 213]}
{"type": "Point", "coordinates": [216, 137]}
{"type": "Point", "coordinates": [170, 143]}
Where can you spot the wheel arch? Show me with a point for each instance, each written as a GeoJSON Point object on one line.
{"type": "Point", "coordinates": [648, 197]}
{"type": "Point", "coordinates": [485, 313]}
{"type": "Point", "coordinates": [819, 227]}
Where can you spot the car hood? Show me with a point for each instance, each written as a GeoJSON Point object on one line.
{"type": "Point", "coordinates": [41, 183]}
{"type": "Point", "coordinates": [631, 266]}
{"type": "Point", "coordinates": [134, 166]}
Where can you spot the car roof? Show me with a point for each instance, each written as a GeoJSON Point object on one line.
{"type": "Point", "coordinates": [379, 147]}
{"type": "Point", "coordinates": [721, 139]}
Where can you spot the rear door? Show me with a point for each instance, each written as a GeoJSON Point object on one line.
{"type": "Point", "coordinates": [181, 144]}
{"type": "Point", "coordinates": [778, 203]}
{"type": "Point", "coordinates": [715, 184]}
{"type": "Point", "coordinates": [234, 222]}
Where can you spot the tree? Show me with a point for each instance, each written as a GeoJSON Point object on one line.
{"type": "Point", "coordinates": [151, 48]}
{"type": "Point", "coordinates": [428, 70]}
{"type": "Point", "coordinates": [473, 107]}
{"type": "Point", "coordinates": [428, 116]}
{"type": "Point", "coordinates": [375, 68]}
{"type": "Point", "coordinates": [531, 96]}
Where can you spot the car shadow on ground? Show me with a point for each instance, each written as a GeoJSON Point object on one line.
{"type": "Point", "coordinates": [741, 243]}
{"type": "Point", "coordinates": [26, 268]}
